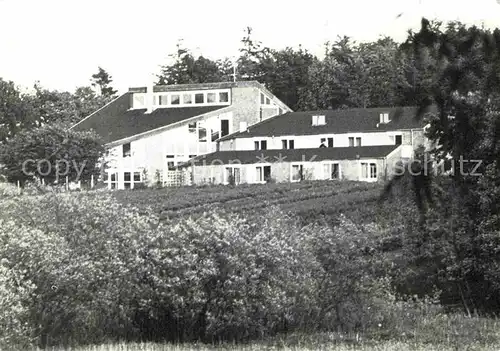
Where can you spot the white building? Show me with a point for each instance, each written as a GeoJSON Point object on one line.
{"type": "Point", "coordinates": [149, 131]}
{"type": "Point", "coordinates": [354, 144]}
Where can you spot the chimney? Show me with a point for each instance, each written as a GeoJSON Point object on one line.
{"type": "Point", "coordinates": [243, 126]}
{"type": "Point", "coordinates": [149, 98]}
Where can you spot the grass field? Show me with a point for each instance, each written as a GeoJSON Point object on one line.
{"type": "Point", "coordinates": [455, 333]}
{"type": "Point", "coordinates": [383, 346]}
{"type": "Point", "coordinates": [305, 199]}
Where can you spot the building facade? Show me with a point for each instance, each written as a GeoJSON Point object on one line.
{"type": "Point", "coordinates": [353, 144]}
{"type": "Point", "coordinates": [365, 163]}
{"type": "Point", "coordinates": [148, 131]}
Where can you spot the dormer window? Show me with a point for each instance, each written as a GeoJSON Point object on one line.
{"type": "Point", "coordinates": [163, 99]}
{"type": "Point", "coordinates": [224, 97]}
{"type": "Point", "coordinates": [211, 98]}
{"type": "Point", "coordinates": [318, 120]}
{"type": "Point", "coordinates": [138, 100]}
{"type": "Point", "coordinates": [384, 118]}
{"type": "Point", "coordinates": [181, 99]}
{"type": "Point", "coordinates": [175, 99]}
{"type": "Point", "coordinates": [199, 98]}
{"type": "Point", "coordinates": [187, 99]}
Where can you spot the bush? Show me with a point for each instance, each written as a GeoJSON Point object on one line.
{"type": "Point", "coordinates": [8, 189]}
{"type": "Point", "coordinates": [96, 270]}
{"type": "Point", "coordinates": [15, 291]}
{"type": "Point", "coordinates": [82, 269]}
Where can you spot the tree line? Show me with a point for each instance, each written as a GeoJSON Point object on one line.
{"type": "Point", "coordinates": [351, 74]}
{"type": "Point", "coordinates": [21, 111]}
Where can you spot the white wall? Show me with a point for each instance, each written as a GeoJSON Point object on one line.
{"type": "Point", "coordinates": [151, 152]}
{"type": "Point", "coordinates": [282, 172]}
{"type": "Point", "coordinates": [314, 141]}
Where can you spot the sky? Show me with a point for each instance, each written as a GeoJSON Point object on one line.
{"type": "Point", "coordinates": [62, 42]}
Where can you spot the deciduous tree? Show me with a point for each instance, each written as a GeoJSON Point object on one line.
{"type": "Point", "coordinates": [15, 110]}
{"type": "Point", "coordinates": [51, 152]}
{"type": "Point", "coordinates": [187, 69]}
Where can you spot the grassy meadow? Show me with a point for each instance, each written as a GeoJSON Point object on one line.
{"type": "Point", "coordinates": [309, 200]}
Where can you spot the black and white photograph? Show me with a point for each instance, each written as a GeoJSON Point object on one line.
{"type": "Point", "coordinates": [263, 175]}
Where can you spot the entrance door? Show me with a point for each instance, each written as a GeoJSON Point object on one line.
{"type": "Point", "coordinates": [267, 173]}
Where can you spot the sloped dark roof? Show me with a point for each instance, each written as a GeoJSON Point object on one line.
{"type": "Point", "coordinates": [115, 121]}
{"type": "Point", "coordinates": [294, 155]}
{"type": "Point", "coordinates": [355, 120]}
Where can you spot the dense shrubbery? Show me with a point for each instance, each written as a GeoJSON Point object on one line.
{"type": "Point", "coordinates": [82, 269]}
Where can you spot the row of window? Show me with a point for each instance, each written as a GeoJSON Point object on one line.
{"type": "Point", "coordinates": [190, 98]}
{"type": "Point", "coordinates": [290, 143]}
{"type": "Point", "coordinates": [182, 99]}
{"type": "Point", "coordinates": [262, 173]}
{"type": "Point", "coordinates": [129, 178]}
{"type": "Point", "coordinates": [330, 171]}
{"type": "Point", "coordinates": [351, 141]}
{"type": "Point", "coordinates": [298, 173]}
{"type": "Point", "coordinates": [324, 142]}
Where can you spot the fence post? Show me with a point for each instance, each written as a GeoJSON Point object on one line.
{"type": "Point", "coordinates": [91, 181]}
{"type": "Point", "coordinates": [67, 183]}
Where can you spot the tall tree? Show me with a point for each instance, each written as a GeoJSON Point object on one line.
{"type": "Point", "coordinates": [102, 81]}
{"type": "Point", "coordinates": [352, 75]}
{"type": "Point", "coordinates": [16, 110]}
{"type": "Point", "coordinates": [286, 74]}
{"type": "Point", "coordinates": [460, 75]}
{"type": "Point", "coordinates": [187, 69]}
{"type": "Point", "coordinates": [87, 102]}
{"type": "Point", "coordinates": [255, 60]}
{"type": "Point", "coordinates": [65, 108]}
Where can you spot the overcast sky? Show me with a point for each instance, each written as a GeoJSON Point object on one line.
{"type": "Point", "coordinates": [61, 42]}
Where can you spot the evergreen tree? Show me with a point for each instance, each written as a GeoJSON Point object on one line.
{"type": "Point", "coordinates": [102, 80]}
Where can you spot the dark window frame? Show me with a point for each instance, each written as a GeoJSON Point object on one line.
{"type": "Point", "coordinates": [127, 150]}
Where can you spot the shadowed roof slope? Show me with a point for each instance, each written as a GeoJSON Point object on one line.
{"type": "Point", "coordinates": [292, 155]}
{"type": "Point", "coordinates": [355, 120]}
{"type": "Point", "coordinates": [115, 121]}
